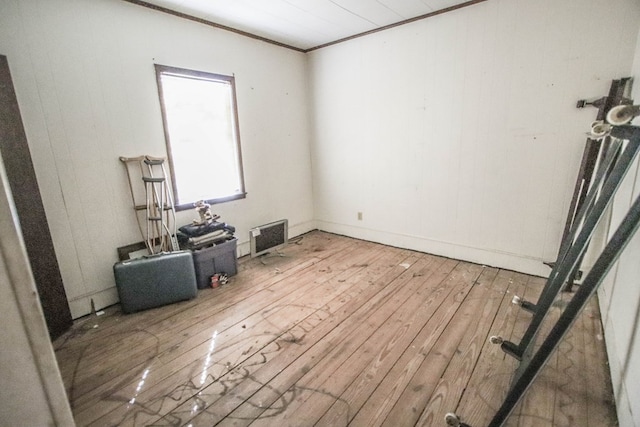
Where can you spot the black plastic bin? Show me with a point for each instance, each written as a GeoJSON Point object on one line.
{"type": "Point", "coordinates": [220, 258]}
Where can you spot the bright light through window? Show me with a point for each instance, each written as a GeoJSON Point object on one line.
{"type": "Point", "coordinates": [202, 135]}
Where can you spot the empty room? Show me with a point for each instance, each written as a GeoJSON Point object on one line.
{"type": "Point", "coordinates": [320, 213]}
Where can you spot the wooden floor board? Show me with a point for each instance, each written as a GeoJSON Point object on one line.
{"type": "Point", "coordinates": [600, 406]}
{"type": "Point", "coordinates": [263, 318]}
{"type": "Point", "coordinates": [334, 377]}
{"type": "Point", "coordinates": [351, 335]}
{"type": "Point", "coordinates": [424, 380]}
{"type": "Point", "coordinates": [454, 380]}
{"type": "Point", "coordinates": [364, 297]}
{"type": "Point", "coordinates": [538, 408]}
{"type": "Point", "coordinates": [425, 320]}
{"type": "Point", "coordinates": [342, 363]}
{"type": "Point", "coordinates": [337, 332]}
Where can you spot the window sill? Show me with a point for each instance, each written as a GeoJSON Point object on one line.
{"type": "Point", "coordinates": [188, 206]}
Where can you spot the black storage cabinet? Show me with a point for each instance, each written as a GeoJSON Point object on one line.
{"type": "Point", "coordinates": [220, 258]}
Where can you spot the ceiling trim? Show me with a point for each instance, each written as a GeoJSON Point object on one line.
{"type": "Point", "coordinates": [397, 24]}
{"type": "Point", "coordinates": [211, 24]}
{"type": "Point", "coordinates": [270, 41]}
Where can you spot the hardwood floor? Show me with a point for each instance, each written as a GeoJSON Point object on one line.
{"type": "Point", "coordinates": [338, 332]}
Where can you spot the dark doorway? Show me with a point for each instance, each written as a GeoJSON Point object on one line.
{"type": "Point", "coordinates": [26, 195]}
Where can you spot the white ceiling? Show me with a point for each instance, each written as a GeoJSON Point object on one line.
{"type": "Point", "coordinates": [304, 24]}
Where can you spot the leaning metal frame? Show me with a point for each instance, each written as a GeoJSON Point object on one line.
{"type": "Point", "coordinates": [597, 201]}
{"type": "Point", "coordinates": [594, 147]}
{"type": "Point", "coordinates": [617, 163]}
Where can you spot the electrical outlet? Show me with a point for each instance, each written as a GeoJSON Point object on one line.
{"type": "Point", "coordinates": [359, 216]}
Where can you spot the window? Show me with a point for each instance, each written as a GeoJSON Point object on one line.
{"type": "Point", "coordinates": [201, 130]}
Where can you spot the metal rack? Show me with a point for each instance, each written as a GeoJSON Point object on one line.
{"type": "Point", "coordinates": [591, 165]}
{"type": "Point", "coordinates": [624, 148]}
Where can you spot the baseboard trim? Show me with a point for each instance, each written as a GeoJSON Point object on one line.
{"type": "Point", "coordinates": [515, 262]}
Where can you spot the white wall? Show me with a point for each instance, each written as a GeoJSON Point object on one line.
{"type": "Point", "coordinates": [458, 135]}
{"type": "Point", "coordinates": [84, 77]}
{"type": "Point", "coordinates": [619, 297]}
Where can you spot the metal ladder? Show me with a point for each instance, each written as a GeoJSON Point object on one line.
{"type": "Point", "coordinates": [156, 216]}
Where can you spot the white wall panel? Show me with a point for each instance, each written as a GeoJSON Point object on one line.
{"type": "Point", "coordinates": [459, 134]}
{"type": "Point", "coordinates": [86, 86]}
{"type": "Point", "coordinates": [619, 296]}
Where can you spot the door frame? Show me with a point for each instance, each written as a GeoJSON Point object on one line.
{"type": "Point", "coordinates": [14, 150]}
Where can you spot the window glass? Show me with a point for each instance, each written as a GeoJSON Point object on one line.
{"type": "Point", "coordinates": [200, 120]}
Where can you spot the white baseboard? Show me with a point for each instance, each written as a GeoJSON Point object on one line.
{"type": "Point", "coordinates": [523, 264]}
{"type": "Point", "coordinates": [81, 306]}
